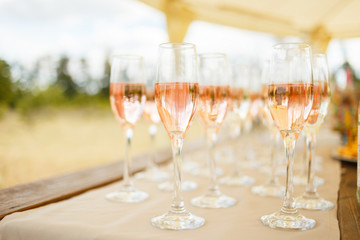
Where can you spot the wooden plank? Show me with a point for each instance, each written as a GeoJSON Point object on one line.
{"type": "Point", "coordinates": [348, 205]}
{"type": "Point", "coordinates": [35, 194]}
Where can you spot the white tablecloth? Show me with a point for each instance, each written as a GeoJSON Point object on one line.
{"type": "Point", "coordinates": [90, 216]}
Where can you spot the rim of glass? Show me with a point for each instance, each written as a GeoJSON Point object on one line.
{"type": "Point", "coordinates": [291, 45]}
{"type": "Point", "coordinates": [177, 45]}
{"type": "Point", "coordinates": [212, 55]}
{"type": "Point", "coordinates": [127, 56]}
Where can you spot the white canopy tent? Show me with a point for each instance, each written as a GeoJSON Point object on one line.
{"type": "Point", "coordinates": [315, 21]}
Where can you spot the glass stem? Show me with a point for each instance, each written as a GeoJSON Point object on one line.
{"type": "Point", "coordinates": [152, 160]}
{"type": "Point", "coordinates": [289, 142]}
{"type": "Point", "coordinates": [273, 161]}
{"type": "Point", "coordinates": [177, 205]}
{"type": "Point", "coordinates": [127, 183]}
{"type": "Point", "coordinates": [237, 160]}
{"type": "Point", "coordinates": [211, 140]}
{"type": "Point", "coordinates": [304, 164]}
{"type": "Point", "coordinates": [310, 144]}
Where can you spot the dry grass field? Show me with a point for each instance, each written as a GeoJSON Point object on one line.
{"type": "Point", "coordinates": [55, 142]}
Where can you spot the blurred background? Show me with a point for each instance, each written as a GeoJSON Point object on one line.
{"type": "Point", "coordinates": [55, 115]}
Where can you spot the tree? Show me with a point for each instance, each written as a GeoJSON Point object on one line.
{"type": "Point", "coordinates": [106, 78]}
{"type": "Point", "coordinates": [64, 79]}
{"type": "Point", "coordinates": [88, 85]}
{"type": "Point", "coordinates": [6, 84]}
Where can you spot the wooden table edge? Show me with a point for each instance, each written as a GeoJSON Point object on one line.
{"type": "Point", "coordinates": [348, 212]}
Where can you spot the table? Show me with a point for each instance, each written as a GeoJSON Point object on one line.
{"type": "Point", "coordinates": [346, 195]}
{"type": "Point", "coordinates": [348, 203]}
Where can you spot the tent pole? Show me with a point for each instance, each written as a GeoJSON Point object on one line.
{"type": "Point", "coordinates": [319, 39]}
{"type": "Point", "coordinates": [178, 20]}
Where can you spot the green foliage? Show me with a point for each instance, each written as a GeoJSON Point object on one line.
{"type": "Point", "coordinates": [64, 79]}
{"type": "Point", "coordinates": [104, 92]}
{"type": "Point", "coordinates": [54, 97]}
{"type": "Point", "coordinates": [6, 85]}
{"type": "Point", "coordinates": [32, 101]}
{"type": "Point", "coordinates": [3, 110]}
{"type": "Point", "coordinates": [24, 95]}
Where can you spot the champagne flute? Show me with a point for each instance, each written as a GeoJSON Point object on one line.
{"type": "Point", "coordinates": [214, 97]}
{"type": "Point", "coordinates": [271, 187]}
{"type": "Point", "coordinates": [176, 95]}
{"type": "Point", "coordinates": [311, 199]}
{"type": "Point", "coordinates": [202, 169]}
{"type": "Point", "coordinates": [302, 177]}
{"type": "Point", "coordinates": [127, 98]}
{"type": "Point", "coordinates": [290, 101]}
{"type": "Point", "coordinates": [152, 172]}
{"type": "Point", "coordinates": [256, 105]}
{"type": "Point", "coordinates": [240, 105]}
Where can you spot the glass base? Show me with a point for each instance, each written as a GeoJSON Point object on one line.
{"type": "Point", "coordinates": [281, 171]}
{"type": "Point", "coordinates": [204, 172]}
{"type": "Point", "coordinates": [251, 164]}
{"type": "Point", "coordinates": [224, 155]}
{"type": "Point", "coordinates": [124, 196]}
{"type": "Point", "coordinates": [189, 166]}
{"type": "Point", "coordinates": [185, 186]}
{"type": "Point", "coordinates": [288, 221]}
{"type": "Point", "coordinates": [213, 200]}
{"type": "Point", "coordinates": [302, 181]}
{"type": "Point", "coordinates": [313, 203]}
{"type": "Point", "coordinates": [269, 190]}
{"type": "Point", "coordinates": [178, 221]}
{"type": "Point", "coordinates": [154, 175]}
{"type": "Point", "coordinates": [318, 159]}
{"type": "Point", "coordinates": [318, 166]}
{"type": "Point", "coordinates": [265, 169]}
{"type": "Point", "coordinates": [237, 181]}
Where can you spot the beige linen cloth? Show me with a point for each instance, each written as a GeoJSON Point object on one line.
{"type": "Point", "coordinates": [90, 216]}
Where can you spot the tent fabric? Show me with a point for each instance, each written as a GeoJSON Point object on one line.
{"type": "Point", "coordinates": [315, 20]}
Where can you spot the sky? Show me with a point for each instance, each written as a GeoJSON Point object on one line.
{"type": "Point", "coordinates": [93, 29]}
{"type": "Point", "coordinates": [89, 29]}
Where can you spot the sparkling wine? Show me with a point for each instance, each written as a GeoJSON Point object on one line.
{"type": "Point", "coordinates": [237, 96]}
{"type": "Point", "coordinates": [127, 102]}
{"type": "Point", "coordinates": [240, 102]}
{"type": "Point", "coordinates": [256, 104]}
{"type": "Point", "coordinates": [315, 110]}
{"type": "Point", "coordinates": [150, 95]}
{"type": "Point", "coordinates": [264, 93]}
{"type": "Point", "coordinates": [213, 104]}
{"type": "Point", "coordinates": [266, 114]}
{"type": "Point", "coordinates": [255, 96]}
{"type": "Point", "coordinates": [176, 103]}
{"type": "Point", "coordinates": [150, 110]}
{"type": "Point", "coordinates": [320, 104]}
{"type": "Point", "coordinates": [268, 121]}
{"type": "Point", "coordinates": [325, 98]}
{"type": "Point", "coordinates": [290, 105]}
